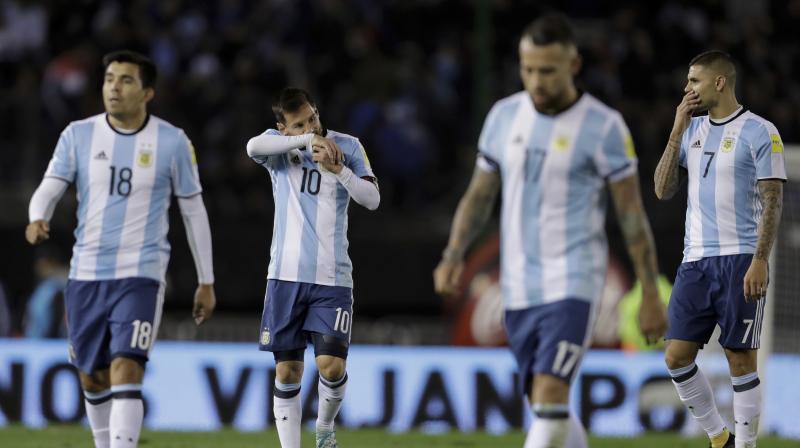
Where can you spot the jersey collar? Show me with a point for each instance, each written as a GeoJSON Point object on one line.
{"type": "Point", "coordinates": [144, 125]}
{"type": "Point", "coordinates": [729, 118]}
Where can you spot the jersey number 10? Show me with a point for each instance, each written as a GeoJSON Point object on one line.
{"type": "Point", "coordinates": [311, 181]}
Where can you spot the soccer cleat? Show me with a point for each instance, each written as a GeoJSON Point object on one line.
{"type": "Point", "coordinates": [327, 439]}
{"type": "Point", "coordinates": [731, 443]}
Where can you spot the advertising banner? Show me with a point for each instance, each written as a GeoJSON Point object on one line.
{"type": "Point", "coordinates": [205, 386]}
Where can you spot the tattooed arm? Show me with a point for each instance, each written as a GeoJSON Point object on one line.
{"type": "Point", "coordinates": [642, 250]}
{"type": "Point", "coordinates": [669, 176]}
{"type": "Point", "coordinates": [771, 192]}
{"type": "Point", "coordinates": [471, 215]}
{"type": "Point", "coordinates": [757, 277]}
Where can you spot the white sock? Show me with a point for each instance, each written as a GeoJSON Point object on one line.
{"type": "Point", "coordinates": [746, 408]}
{"type": "Point", "coordinates": [550, 428]}
{"type": "Point", "coordinates": [331, 394]}
{"type": "Point", "coordinates": [127, 413]}
{"type": "Point", "coordinates": [288, 413]}
{"type": "Point", "coordinates": [577, 433]}
{"type": "Point", "coordinates": [98, 410]}
{"type": "Point", "coordinates": [695, 392]}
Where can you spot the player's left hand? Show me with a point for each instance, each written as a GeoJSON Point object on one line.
{"type": "Point", "coordinates": [204, 303]}
{"type": "Point", "coordinates": [756, 280]}
{"type": "Point", "coordinates": [447, 276]}
{"type": "Point", "coordinates": [652, 318]}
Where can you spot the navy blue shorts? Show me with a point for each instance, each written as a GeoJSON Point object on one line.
{"type": "Point", "coordinates": [708, 292]}
{"type": "Point", "coordinates": [111, 318]}
{"type": "Point", "coordinates": [293, 310]}
{"type": "Point", "coordinates": [548, 339]}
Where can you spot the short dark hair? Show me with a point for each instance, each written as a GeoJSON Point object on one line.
{"type": "Point", "coordinates": [550, 28]}
{"type": "Point", "coordinates": [147, 69]}
{"type": "Point", "coordinates": [290, 100]}
{"type": "Point", "coordinates": [718, 60]}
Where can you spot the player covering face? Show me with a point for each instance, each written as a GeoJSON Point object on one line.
{"type": "Point", "coordinates": [552, 150]}
{"type": "Point", "coordinates": [315, 172]}
{"type": "Point", "coordinates": [729, 157]}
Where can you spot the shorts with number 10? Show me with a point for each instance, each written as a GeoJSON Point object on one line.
{"type": "Point", "coordinates": [293, 310]}
{"type": "Point", "coordinates": [111, 318]}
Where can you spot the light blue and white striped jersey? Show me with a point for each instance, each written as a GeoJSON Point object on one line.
{"type": "Point", "coordinates": [554, 170]}
{"type": "Point", "coordinates": [724, 162]}
{"type": "Point", "coordinates": [309, 233]}
{"type": "Point", "coordinates": [124, 183]}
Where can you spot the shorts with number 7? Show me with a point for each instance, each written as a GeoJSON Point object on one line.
{"type": "Point", "coordinates": [710, 291]}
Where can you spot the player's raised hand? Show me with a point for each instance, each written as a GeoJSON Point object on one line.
{"type": "Point", "coordinates": [447, 276]}
{"type": "Point", "coordinates": [328, 155]}
{"type": "Point", "coordinates": [756, 280]}
{"type": "Point", "coordinates": [683, 115]}
{"type": "Point", "coordinates": [652, 318]}
{"type": "Point", "coordinates": [204, 303]}
{"type": "Point", "coordinates": [37, 232]}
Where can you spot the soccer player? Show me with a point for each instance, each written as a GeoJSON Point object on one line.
{"type": "Point", "coordinates": [734, 162]}
{"type": "Point", "coordinates": [126, 164]}
{"type": "Point", "coordinates": [552, 149]}
{"type": "Point", "coordinates": [314, 173]}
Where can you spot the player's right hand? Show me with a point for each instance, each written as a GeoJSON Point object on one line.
{"type": "Point", "coordinates": [683, 115]}
{"type": "Point", "coordinates": [447, 276]}
{"type": "Point", "coordinates": [37, 232]}
{"type": "Point", "coordinates": [205, 300]}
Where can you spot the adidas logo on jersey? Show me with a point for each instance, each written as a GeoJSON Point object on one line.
{"type": "Point", "coordinates": [696, 144]}
{"type": "Point", "coordinates": [101, 156]}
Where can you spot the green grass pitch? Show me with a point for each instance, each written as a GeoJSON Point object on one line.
{"type": "Point", "coordinates": [76, 436]}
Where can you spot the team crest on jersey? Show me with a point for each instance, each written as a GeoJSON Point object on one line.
{"type": "Point", "coordinates": [265, 337]}
{"type": "Point", "coordinates": [728, 143]}
{"type": "Point", "coordinates": [145, 158]}
{"type": "Point", "coordinates": [777, 144]}
{"type": "Point", "coordinates": [561, 143]}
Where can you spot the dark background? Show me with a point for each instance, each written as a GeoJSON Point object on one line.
{"type": "Point", "coordinates": [412, 79]}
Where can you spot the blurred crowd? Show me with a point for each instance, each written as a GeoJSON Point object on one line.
{"type": "Point", "coordinates": [412, 78]}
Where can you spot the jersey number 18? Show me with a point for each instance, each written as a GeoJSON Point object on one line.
{"type": "Point", "coordinates": [120, 181]}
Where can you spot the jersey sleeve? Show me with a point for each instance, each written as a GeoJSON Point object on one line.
{"type": "Point", "coordinates": [63, 164]}
{"type": "Point", "coordinates": [682, 153]}
{"type": "Point", "coordinates": [489, 150]}
{"type": "Point", "coordinates": [358, 161]}
{"type": "Point", "coordinates": [768, 153]}
{"type": "Point", "coordinates": [185, 176]}
{"type": "Point", "coordinates": [269, 161]}
{"type": "Point", "coordinates": [615, 159]}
